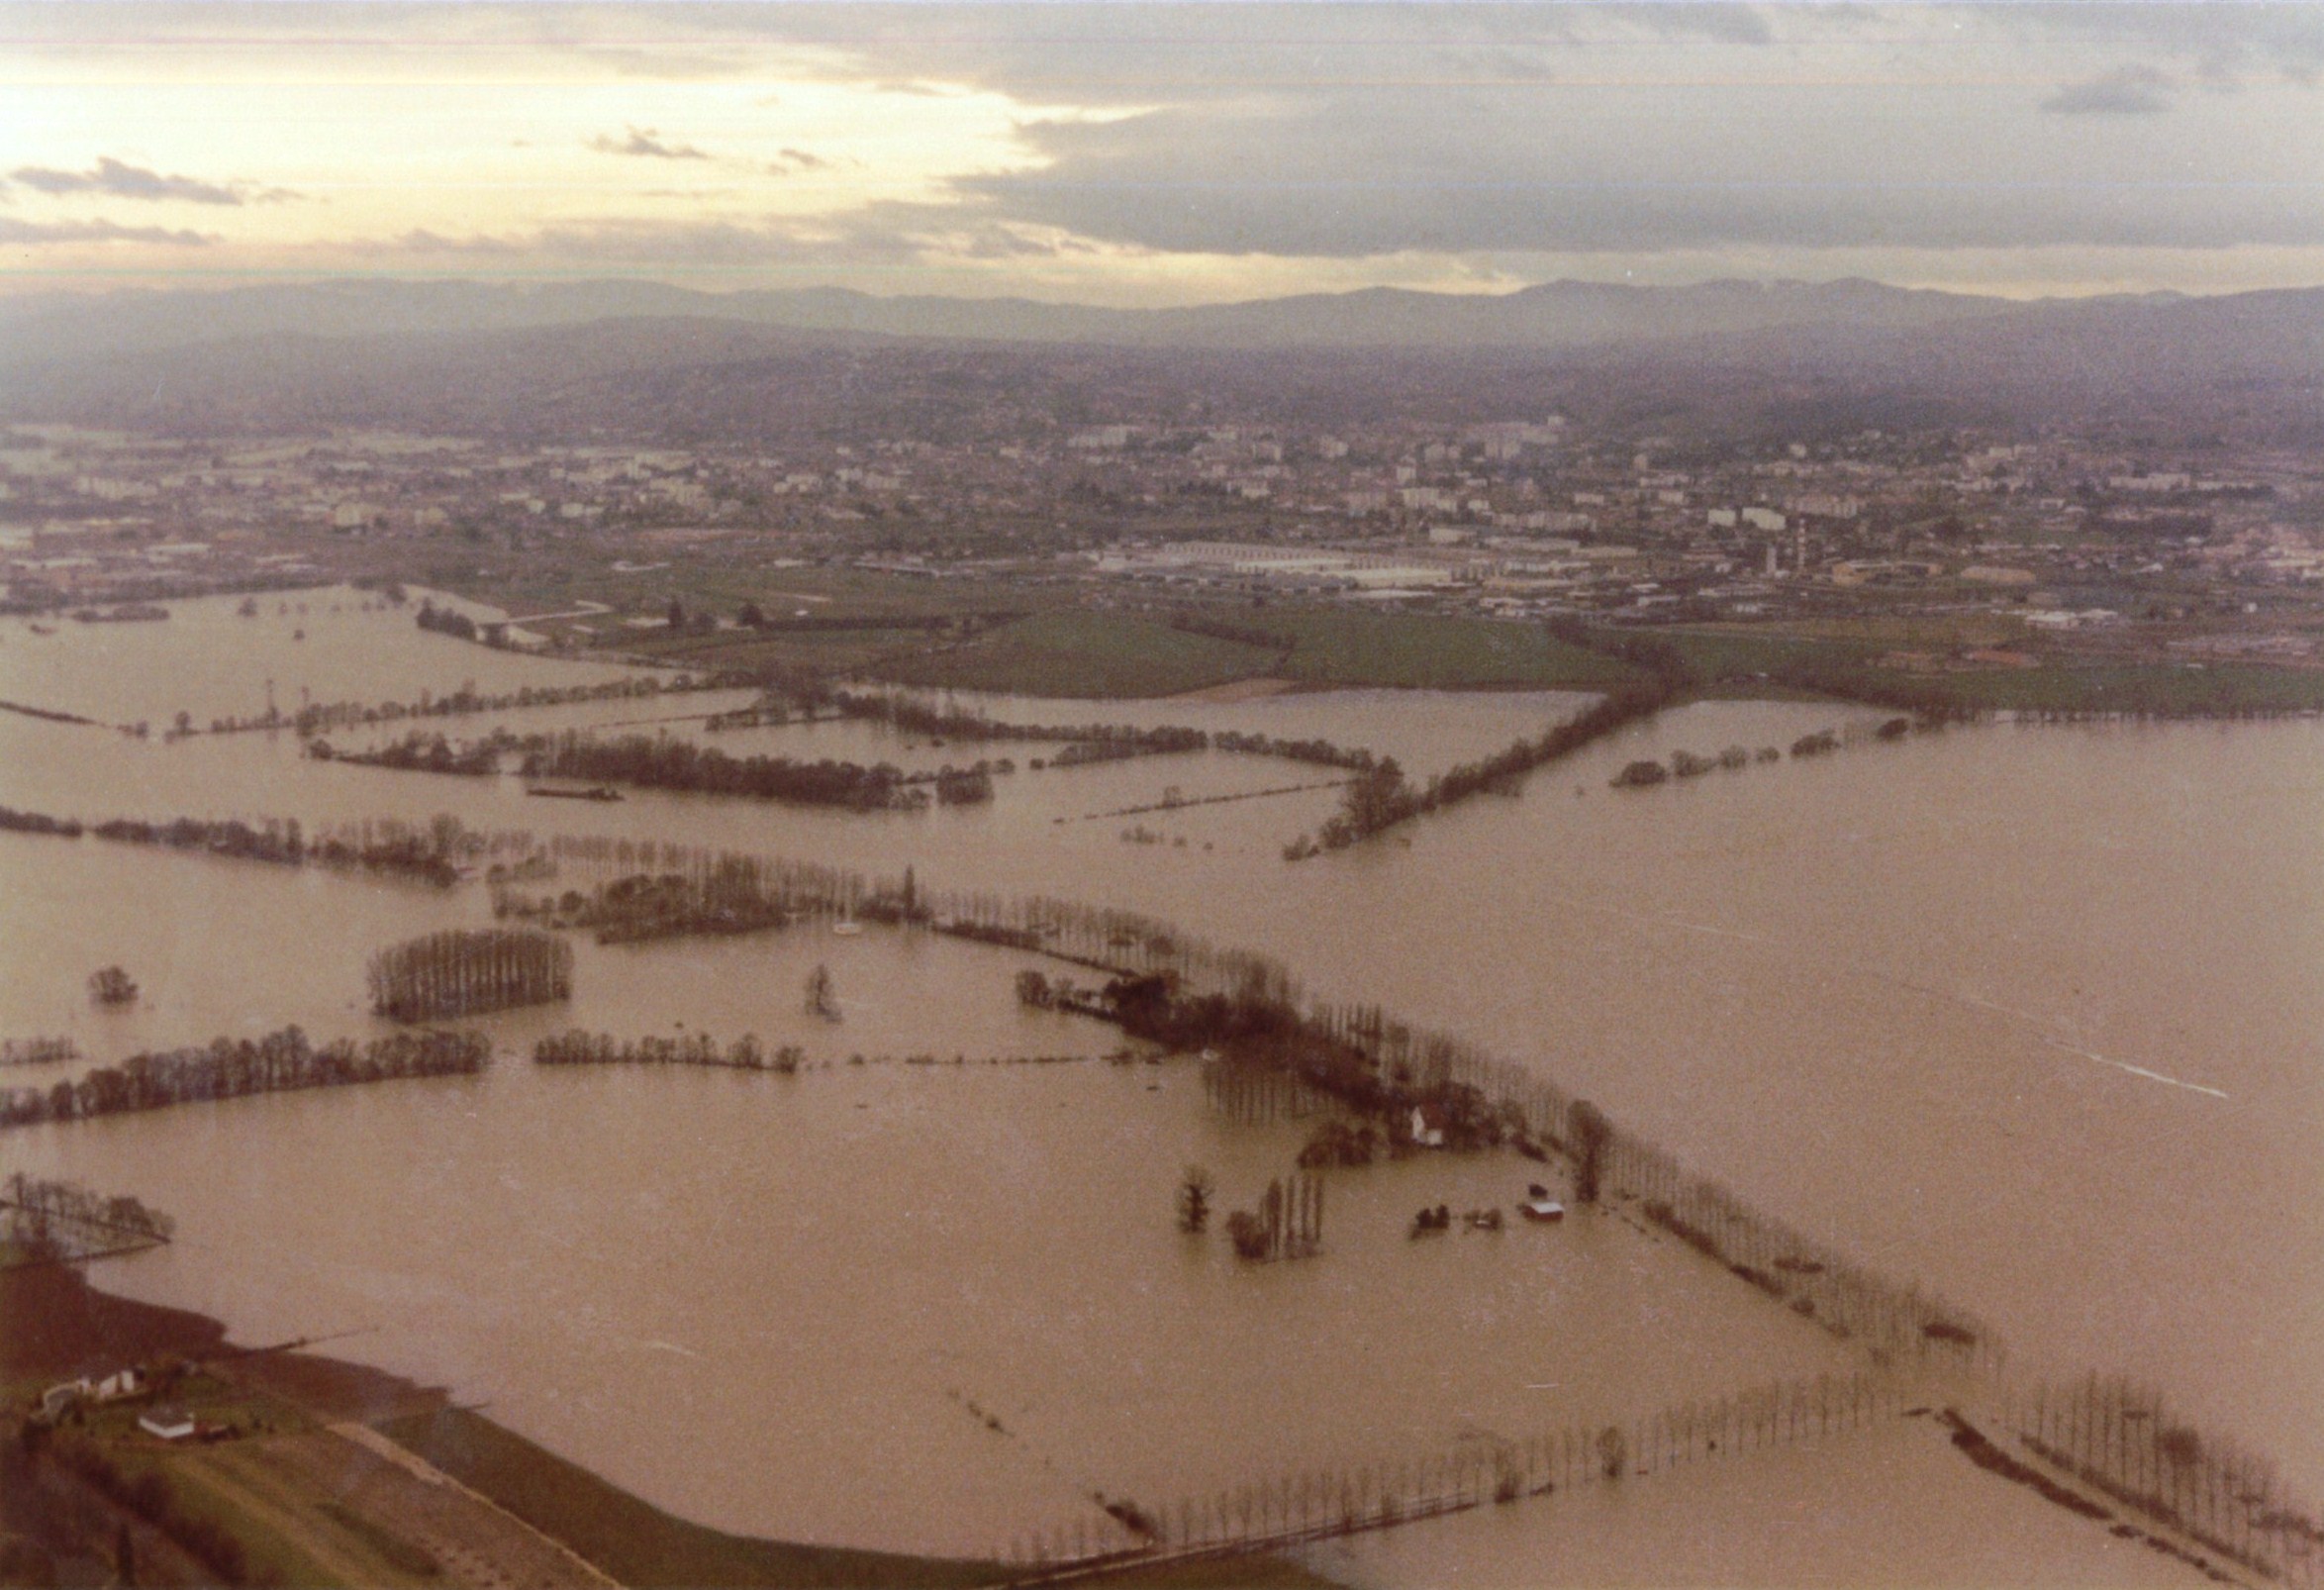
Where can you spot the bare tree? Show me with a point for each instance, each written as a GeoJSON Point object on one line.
{"type": "Point", "coordinates": [1194, 1200]}
{"type": "Point", "coordinates": [823, 997]}
{"type": "Point", "coordinates": [111, 987]}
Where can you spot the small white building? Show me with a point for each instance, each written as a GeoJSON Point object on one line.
{"type": "Point", "coordinates": [166, 1424]}
{"type": "Point", "coordinates": [117, 1385]}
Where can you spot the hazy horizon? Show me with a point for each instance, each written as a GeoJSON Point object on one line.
{"type": "Point", "coordinates": [1000, 295]}
{"type": "Point", "coordinates": [1147, 157]}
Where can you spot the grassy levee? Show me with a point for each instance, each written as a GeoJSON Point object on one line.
{"type": "Point", "coordinates": [636, 1542]}
{"type": "Point", "coordinates": [1085, 653]}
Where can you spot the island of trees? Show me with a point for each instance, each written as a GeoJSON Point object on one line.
{"type": "Point", "coordinates": [112, 988]}
{"type": "Point", "coordinates": [464, 971]}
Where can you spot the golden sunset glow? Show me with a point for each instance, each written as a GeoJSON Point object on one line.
{"type": "Point", "coordinates": [1163, 154]}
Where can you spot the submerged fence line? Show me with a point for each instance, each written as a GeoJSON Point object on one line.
{"type": "Point", "coordinates": [1312, 1504]}
{"type": "Point", "coordinates": [2124, 1440]}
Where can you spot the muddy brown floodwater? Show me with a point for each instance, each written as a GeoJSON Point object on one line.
{"type": "Point", "coordinates": [2029, 1014]}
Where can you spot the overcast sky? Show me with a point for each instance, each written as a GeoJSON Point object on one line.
{"type": "Point", "coordinates": [1135, 155]}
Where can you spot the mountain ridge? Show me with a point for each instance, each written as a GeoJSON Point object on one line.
{"type": "Point", "coordinates": [1567, 313]}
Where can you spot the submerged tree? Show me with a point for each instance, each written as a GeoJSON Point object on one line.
{"type": "Point", "coordinates": [464, 972]}
{"type": "Point", "coordinates": [1613, 1452]}
{"type": "Point", "coordinates": [822, 996]}
{"type": "Point", "coordinates": [111, 986]}
{"type": "Point", "coordinates": [1374, 798]}
{"type": "Point", "coordinates": [1194, 1201]}
{"type": "Point", "coordinates": [1590, 1130]}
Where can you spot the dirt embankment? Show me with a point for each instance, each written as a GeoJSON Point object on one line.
{"type": "Point", "coordinates": [55, 1324]}
{"type": "Point", "coordinates": [343, 1503]}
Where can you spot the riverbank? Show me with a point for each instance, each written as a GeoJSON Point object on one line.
{"type": "Point", "coordinates": [53, 1324]}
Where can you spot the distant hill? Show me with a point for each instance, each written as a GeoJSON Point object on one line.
{"type": "Point", "coordinates": [640, 359]}
{"type": "Point", "coordinates": [42, 327]}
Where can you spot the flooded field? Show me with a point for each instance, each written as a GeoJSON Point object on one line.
{"type": "Point", "coordinates": [208, 659]}
{"type": "Point", "coordinates": [934, 1305]}
{"type": "Point", "coordinates": [2028, 1014]}
{"type": "Point", "coordinates": [1426, 730]}
{"type": "Point", "coordinates": [1888, 1507]}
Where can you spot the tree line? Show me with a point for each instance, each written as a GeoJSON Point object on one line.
{"type": "Point", "coordinates": [38, 1050]}
{"type": "Point", "coordinates": [465, 971]}
{"type": "Point", "coordinates": [233, 1068]}
{"type": "Point", "coordinates": [635, 890]}
{"type": "Point", "coordinates": [1320, 752]}
{"type": "Point", "coordinates": [678, 764]}
{"type": "Point", "coordinates": [13, 821]}
{"type": "Point", "coordinates": [641, 907]}
{"type": "Point", "coordinates": [906, 712]}
{"type": "Point", "coordinates": [1684, 764]}
{"type": "Point", "coordinates": [663, 763]}
{"type": "Point", "coordinates": [318, 716]}
{"type": "Point", "coordinates": [2126, 1442]}
{"type": "Point", "coordinates": [1351, 1498]}
{"type": "Point", "coordinates": [126, 612]}
{"type": "Point", "coordinates": [1379, 798]}
{"type": "Point", "coordinates": [427, 854]}
{"type": "Point", "coordinates": [391, 849]}
{"type": "Point", "coordinates": [745, 1053]}
{"type": "Point", "coordinates": [418, 753]}
{"type": "Point", "coordinates": [748, 1053]}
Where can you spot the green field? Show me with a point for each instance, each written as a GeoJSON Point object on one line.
{"type": "Point", "coordinates": [1108, 653]}
{"type": "Point", "coordinates": [1334, 645]}
{"type": "Point", "coordinates": [1086, 653]}
{"type": "Point", "coordinates": [1747, 663]}
{"type": "Point", "coordinates": [1723, 657]}
{"type": "Point", "coordinates": [2165, 689]}
{"type": "Point", "coordinates": [720, 582]}
{"type": "Point", "coordinates": [821, 652]}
